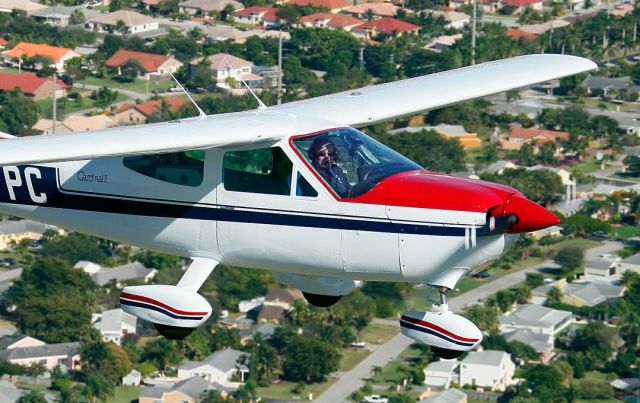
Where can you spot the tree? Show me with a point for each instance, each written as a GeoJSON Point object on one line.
{"type": "Point", "coordinates": [307, 359]}
{"type": "Point", "coordinates": [263, 360]}
{"type": "Point", "coordinates": [97, 387]}
{"type": "Point", "coordinates": [161, 352]}
{"type": "Point", "coordinates": [597, 341]}
{"type": "Point", "coordinates": [77, 17]}
{"type": "Point", "coordinates": [534, 280]}
{"type": "Point", "coordinates": [104, 97]}
{"type": "Point", "coordinates": [130, 71]}
{"type": "Point", "coordinates": [31, 397]}
{"type": "Point", "coordinates": [75, 247]}
{"type": "Point", "coordinates": [554, 296]}
{"type": "Point", "coordinates": [17, 113]}
{"type": "Point", "coordinates": [107, 359]}
{"type": "Point", "coordinates": [569, 257]}
{"type": "Point", "coordinates": [484, 317]}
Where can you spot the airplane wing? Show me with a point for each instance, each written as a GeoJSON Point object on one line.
{"type": "Point", "coordinates": [354, 108]}
{"type": "Point", "coordinates": [378, 103]}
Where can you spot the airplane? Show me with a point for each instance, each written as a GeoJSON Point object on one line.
{"type": "Point", "coordinates": [295, 189]}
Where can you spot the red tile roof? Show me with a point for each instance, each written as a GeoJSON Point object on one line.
{"type": "Point", "coordinates": [270, 13]}
{"type": "Point", "coordinates": [335, 20]}
{"type": "Point", "coordinates": [542, 136]}
{"type": "Point", "coordinates": [388, 25]}
{"type": "Point", "coordinates": [521, 3]}
{"type": "Point", "coordinates": [518, 34]}
{"type": "Point", "coordinates": [3, 42]}
{"type": "Point", "coordinates": [150, 107]}
{"type": "Point", "coordinates": [35, 49]}
{"type": "Point", "coordinates": [149, 62]}
{"type": "Point", "coordinates": [328, 4]}
{"type": "Point", "coordinates": [27, 83]}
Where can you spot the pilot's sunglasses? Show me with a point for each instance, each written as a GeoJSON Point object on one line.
{"type": "Point", "coordinates": [324, 154]}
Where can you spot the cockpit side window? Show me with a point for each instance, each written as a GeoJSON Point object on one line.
{"type": "Point", "coordinates": [265, 170]}
{"type": "Point", "coordinates": [181, 168]}
{"type": "Point", "coordinates": [350, 162]}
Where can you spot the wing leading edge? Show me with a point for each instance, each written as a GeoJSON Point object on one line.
{"type": "Point", "coordinates": [353, 108]}
{"type": "Point", "coordinates": [378, 103]}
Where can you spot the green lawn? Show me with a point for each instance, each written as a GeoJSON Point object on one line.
{"type": "Point", "coordinates": [352, 357]}
{"type": "Point", "coordinates": [625, 231]}
{"type": "Point", "coordinates": [583, 243]}
{"type": "Point", "coordinates": [588, 166]}
{"type": "Point", "coordinates": [125, 394]}
{"type": "Point", "coordinates": [284, 390]}
{"type": "Point", "coordinates": [160, 85]}
{"type": "Point", "coordinates": [378, 334]}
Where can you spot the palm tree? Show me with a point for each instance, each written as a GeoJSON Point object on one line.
{"type": "Point", "coordinates": [263, 360]}
{"type": "Point", "coordinates": [631, 328]}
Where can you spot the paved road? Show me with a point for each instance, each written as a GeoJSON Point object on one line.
{"type": "Point", "coordinates": [384, 353]}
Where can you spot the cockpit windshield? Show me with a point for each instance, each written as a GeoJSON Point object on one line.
{"type": "Point", "coordinates": [351, 162]}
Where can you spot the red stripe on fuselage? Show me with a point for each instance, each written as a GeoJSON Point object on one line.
{"type": "Point", "coordinates": [437, 328]}
{"type": "Point", "coordinates": [160, 304]}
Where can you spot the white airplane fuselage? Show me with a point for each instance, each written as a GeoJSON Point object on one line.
{"type": "Point", "coordinates": [313, 236]}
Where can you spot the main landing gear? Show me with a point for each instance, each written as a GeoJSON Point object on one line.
{"type": "Point", "coordinates": [449, 335]}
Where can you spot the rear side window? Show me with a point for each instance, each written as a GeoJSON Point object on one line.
{"type": "Point", "coordinates": [182, 168]}
{"type": "Point", "coordinates": [266, 170]}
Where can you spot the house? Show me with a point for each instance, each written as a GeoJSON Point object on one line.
{"type": "Point", "coordinates": [221, 367]}
{"type": "Point", "coordinates": [151, 64]}
{"type": "Point", "coordinates": [258, 15]}
{"type": "Point", "coordinates": [272, 313]}
{"type": "Point", "coordinates": [114, 324]}
{"type": "Point", "coordinates": [59, 16]}
{"type": "Point", "coordinates": [630, 263]}
{"type": "Point", "coordinates": [521, 5]}
{"type": "Point", "coordinates": [248, 305]}
{"type": "Point", "coordinates": [8, 392]}
{"type": "Point", "coordinates": [520, 35]}
{"type": "Point", "coordinates": [467, 140]}
{"type": "Point", "coordinates": [442, 43]}
{"type": "Point", "coordinates": [187, 391]}
{"type": "Point", "coordinates": [329, 20]}
{"type": "Point", "coordinates": [205, 8]}
{"type": "Point", "coordinates": [488, 369]}
{"type": "Point", "coordinates": [542, 343]}
{"type": "Point", "coordinates": [362, 10]}
{"type": "Point", "coordinates": [517, 136]}
{"type": "Point", "coordinates": [498, 167]}
{"type": "Point", "coordinates": [9, 342]}
{"type": "Point", "coordinates": [584, 294]}
{"type": "Point", "coordinates": [223, 33]}
{"type": "Point", "coordinates": [3, 43]}
{"type": "Point", "coordinates": [57, 56]}
{"type": "Point", "coordinates": [539, 319]}
{"type": "Point", "coordinates": [88, 267]}
{"type": "Point", "coordinates": [12, 232]}
{"type": "Point", "coordinates": [621, 10]}
{"type": "Point", "coordinates": [31, 85]}
{"type": "Point", "coordinates": [602, 268]}
{"type": "Point", "coordinates": [454, 19]}
{"type": "Point", "coordinates": [283, 297]}
{"type": "Point", "coordinates": [333, 6]}
{"type": "Point", "coordinates": [26, 6]}
{"type": "Point", "coordinates": [133, 378]}
{"type": "Point", "coordinates": [554, 231]}
{"type": "Point", "coordinates": [228, 70]}
{"type": "Point", "coordinates": [133, 114]}
{"type": "Point", "coordinates": [74, 124]}
{"type": "Point", "coordinates": [123, 22]}
{"type": "Point", "coordinates": [122, 273]}
{"type": "Point", "coordinates": [439, 374]}
{"type": "Point", "coordinates": [541, 28]}
{"type": "Point", "coordinates": [386, 26]}
{"type": "Point", "coordinates": [49, 355]}
{"type": "Point", "coordinates": [448, 396]}
{"type": "Point", "coordinates": [606, 85]}
{"type": "Point", "coordinates": [265, 329]}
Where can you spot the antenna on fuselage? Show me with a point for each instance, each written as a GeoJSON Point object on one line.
{"type": "Point", "coordinates": [261, 104]}
{"type": "Point", "coordinates": [200, 112]}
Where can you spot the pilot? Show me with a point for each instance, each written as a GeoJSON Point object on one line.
{"type": "Point", "coordinates": [324, 156]}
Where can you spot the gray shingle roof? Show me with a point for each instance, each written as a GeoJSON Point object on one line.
{"type": "Point", "coordinates": [193, 387]}
{"type": "Point", "coordinates": [8, 392]}
{"type": "Point", "coordinates": [537, 341]}
{"type": "Point", "coordinates": [442, 366]}
{"type": "Point", "coordinates": [635, 259]}
{"type": "Point", "coordinates": [48, 350]}
{"type": "Point", "coordinates": [599, 264]}
{"type": "Point", "coordinates": [448, 396]}
{"type": "Point", "coordinates": [486, 357]}
{"type": "Point", "coordinates": [22, 226]}
{"type": "Point", "coordinates": [121, 273]}
{"type": "Point", "coordinates": [608, 82]}
{"type": "Point", "coordinates": [111, 320]}
{"type": "Point", "coordinates": [534, 315]}
{"type": "Point", "coordinates": [593, 293]}
{"type": "Point", "coordinates": [224, 360]}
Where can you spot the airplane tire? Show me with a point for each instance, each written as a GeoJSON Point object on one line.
{"type": "Point", "coordinates": [321, 301]}
{"type": "Point", "coordinates": [445, 353]}
{"type": "Point", "coordinates": [173, 332]}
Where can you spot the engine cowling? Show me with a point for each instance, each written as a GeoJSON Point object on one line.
{"type": "Point", "coordinates": [166, 305]}
{"type": "Point", "coordinates": [448, 334]}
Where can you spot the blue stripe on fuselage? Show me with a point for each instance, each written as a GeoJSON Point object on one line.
{"type": "Point", "coordinates": [47, 184]}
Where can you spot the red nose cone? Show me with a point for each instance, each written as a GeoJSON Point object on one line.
{"type": "Point", "coordinates": [531, 216]}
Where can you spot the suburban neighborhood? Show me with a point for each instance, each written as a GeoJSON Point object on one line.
{"type": "Point", "coordinates": [560, 312]}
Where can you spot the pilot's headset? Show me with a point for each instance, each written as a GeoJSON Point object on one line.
{"type": "Point", "coordinates": [317, 146]}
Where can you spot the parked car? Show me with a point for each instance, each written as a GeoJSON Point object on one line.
{"type": "Point", "coordinates": [376, 399]}
{"type": "Point", "coordinates": [600, 235]}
